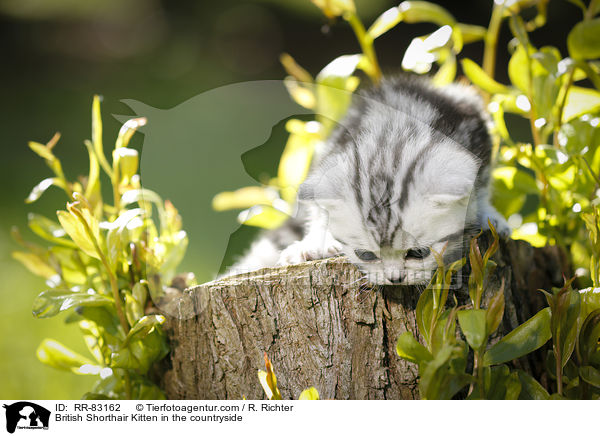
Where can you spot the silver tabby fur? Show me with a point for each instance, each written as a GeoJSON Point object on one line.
{"type": "Point", "coordinates": [405, 172]}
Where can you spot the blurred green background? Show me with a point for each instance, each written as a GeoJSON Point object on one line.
{"type": "Point", "coordinates": [56, 54]}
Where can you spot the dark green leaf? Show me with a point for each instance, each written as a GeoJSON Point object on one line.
{"type": "Point", "coordinates": [529, 336]}
{"type": "Point", "coordinates": [589, 336]}
{"type": "Point", "coordinates": [495, 311]}
{"type": "Point", "coordinates": [530, 388]}
{"type": "Point", "coordinates": [590, 375]}
{"type": "Point", "coordinates": [424, 314]}
{"type": "Point", "coordinates": [92, 396]}
{"type": "Point", "coordinates": [410, 349]}
{"type": "Point", "coordinates": [472, 323]}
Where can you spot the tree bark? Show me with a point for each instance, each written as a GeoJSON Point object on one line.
{"type": "Point", "coordinates": [320, 327]}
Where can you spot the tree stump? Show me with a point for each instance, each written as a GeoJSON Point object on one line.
{"type": "Point", "coordinates": [321, 328]}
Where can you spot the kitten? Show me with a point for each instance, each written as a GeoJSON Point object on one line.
{"type": "Point", "coordinates": [405, 172]}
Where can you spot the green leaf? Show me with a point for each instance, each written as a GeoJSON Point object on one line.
{"type": "Point", "coordinates": [334, 87]}
{"type": "Point", "coordinates": [447, 72]}
{"type": "Point", "coordinates": [495, 312]}
{"type": "Point", "coordinates": [410, 349]}
{"type": "Point", "coordinates": [50, 303]}
{"type": "Point", "coordinates": [34, 263]}
{"type": "Point", "coordinates": [309, 394]}
{"type": "Point", "coordinates": [419, 11]}
{"type": "Point", "coordinates": [501, 384]}
{"type": "Point", "coordinates": [92, 189]}
{"type": "Point", "coordinates": [422, 11]}
{"type": "Point", "coordinates": [128, 161]}
{"type": "Point", "coordinates": [77, 231]}
{"type": "Point", "coordinates": [424, 314]}
{"type": "Point", "coordinates": [516, 180]}
{"type": "Point", "coordinates": [439, 380]}
{"type": "Point", "coordinates": [472, 33]}
{"type": "Point", "coordinates": [143, 327]}
{"type": "Point", "coordinates": [530, 388]}
{"type": "Point", "coordinates": [580, 101]}
{"type": "Point", "coordinates": [518, 70]}
{"type": "Point", "coordinates": [48, 229]}
{"type": "Point", "coordinates": [133, 309]}
{"type": "Point", "coordinates": [583, 41]}
{"type": "Point", "coordinates": [141, 354]}
{"type": "Point", "coordinates": [56, 355]}
{"type": "Point", "coordinates": [589, 336]}
{"type": "Point", "coordinates": [92, 396]}
{"type": "Point", "coordinates": [590, 375]}
{"type": "Point", "coordinates": [266, 217]}
{"type": "Point", "coordinates": [529, 336]}
{"type": "Point", "coordinates": [41, 187]}
{"type": "Point", "coordinates": [569, 329]}
{"type": "Point", "coordinates": [116, 235]}
{"type": "Point", "coordinates": [472, 323]}
{"type": "Point", "coordinates": [385, 22]}
{"type": "Point", "coordinates": [97, 135]}
{"type": "Point", "coordinates": [480, 78]}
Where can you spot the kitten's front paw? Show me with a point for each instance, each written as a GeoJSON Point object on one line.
{"type": "Point", "coordinates": [302, 251]}
{"type": "Point", "coordinates": [502, 227]}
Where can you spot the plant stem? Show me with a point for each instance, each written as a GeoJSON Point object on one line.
{"type": "Point", "coordinates": [491, 40]}
{"type": "Point", "coordinates": [127, 385]}
{"type": "Point", "coordinates": [589, 13]}
{"type": "Point", "coordinates": [366, 44]}
{"type": "Point", "coordinates": [559, 387]}
{"type": "Point", "coordinates": [111, 276]}
{"type": "Point", "coordinates": [561, 107]}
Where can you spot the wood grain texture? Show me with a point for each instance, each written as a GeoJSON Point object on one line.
{"type": "Point", "coordinates": [320, 328]}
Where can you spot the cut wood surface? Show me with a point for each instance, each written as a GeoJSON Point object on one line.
{"type": "Point", "coordinates": [321, 328]}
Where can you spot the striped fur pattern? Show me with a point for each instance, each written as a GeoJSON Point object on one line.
{"type": "Point", "coordinates": [405, 172]}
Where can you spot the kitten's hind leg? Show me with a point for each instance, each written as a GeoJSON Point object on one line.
{"type": "Point", "coordinates": [487, 214]}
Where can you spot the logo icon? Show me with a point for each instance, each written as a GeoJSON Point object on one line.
{"type": "Point", "coordinates": [26, 415]}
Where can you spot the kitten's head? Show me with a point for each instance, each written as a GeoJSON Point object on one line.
{"type": "Point", "coordinates": [389, 215]}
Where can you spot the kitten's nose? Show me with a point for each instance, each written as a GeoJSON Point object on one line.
{"type": "Point", "coordinates": [397, 279]}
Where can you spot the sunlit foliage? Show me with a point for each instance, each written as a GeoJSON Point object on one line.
{"type": "Point", "coordinates": [104, 262]}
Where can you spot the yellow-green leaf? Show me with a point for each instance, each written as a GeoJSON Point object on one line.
{"type": "Point", "coordinates": [41, 187]}
{"type": "Point", "coordinates": [480, 78]}
{"type": "Point", "coordinates": [583, 41]}
{"type": "Point", "coordinates": [244, 198]}
{"type": "Point", "coordinates": [266, 217]}
{"type": "Point", "coordinates": [385, 22]}
{"type": "Point", "coordinates": [58, 356]}
{"type": "Point", "coordinates": [335, 8]}
{"type": "Point", "coordinates": [580, 101]}
{"type": "Point", "coordinates": [34, 263]}
{"type": "Point", "coordinates": [309, 394]}
{"type": "Point", "coordinates": [78, 233]}
{"type": "Point", "coordinates": [294, 69]}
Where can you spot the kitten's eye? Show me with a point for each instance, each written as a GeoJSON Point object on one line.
{"type": "Point", "coordinates": [365, 255]}
{"type": "Point", "coordinates": [418, 253]}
